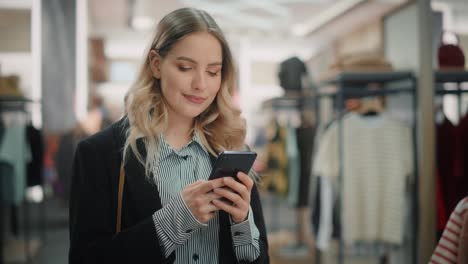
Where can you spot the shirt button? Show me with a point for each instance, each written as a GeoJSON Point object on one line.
{"type": "Point", "coordinates": [195, 256]}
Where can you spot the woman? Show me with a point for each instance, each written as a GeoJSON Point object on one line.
{"type": "Point", "coordinates": [179, 115]}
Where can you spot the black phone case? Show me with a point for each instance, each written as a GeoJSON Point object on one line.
{"type": "Point", "coordinates": [229, 163]}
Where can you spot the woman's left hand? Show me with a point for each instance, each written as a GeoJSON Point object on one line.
{"type": "Point", "coordinates": [237, 197]}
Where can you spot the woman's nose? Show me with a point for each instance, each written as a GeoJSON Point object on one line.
{"type": "Point", "coordinates": [199, 81]}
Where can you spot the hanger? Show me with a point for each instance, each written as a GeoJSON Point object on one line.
{"type": "Point", "coordinates": [371, 106]}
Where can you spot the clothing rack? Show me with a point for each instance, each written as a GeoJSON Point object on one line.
{"type": "Point", "coordinates": [356, 85]}
{"type": "Point", "coordinates": [18, 104]}
{"type": "Point", "coordinates": [291, 102]}
{"type": "Point", "coordinates": [301, 103]}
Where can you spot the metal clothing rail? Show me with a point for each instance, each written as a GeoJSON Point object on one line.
{"type": "Point", "coordinates": [371, 84]}
{"type": "Point", "coordinates": [295, 102]}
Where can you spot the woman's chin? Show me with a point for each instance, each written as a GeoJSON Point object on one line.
{"type": "Point", "coordinates": [194, 111]}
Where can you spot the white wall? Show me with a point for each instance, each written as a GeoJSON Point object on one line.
{"type": "Point", "coordinates": [401, 50]}
{"type": "Point", "coordinates": [401, 38]}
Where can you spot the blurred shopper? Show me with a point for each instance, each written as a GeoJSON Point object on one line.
{"type": "Point", "coordinates": [179, 115]}
{"type": "Point", "coordinates": [96, 119]}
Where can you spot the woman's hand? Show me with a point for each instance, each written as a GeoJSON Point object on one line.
{"type": "Point", "coordinates": [237, 197]}
{"type": "Point", "coordinates": [198, 197]}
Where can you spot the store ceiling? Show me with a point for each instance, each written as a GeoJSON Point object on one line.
{"type": "Point", "coordinates": [234, 16]}
{"type": "Point", "coordinates": [282, 25]}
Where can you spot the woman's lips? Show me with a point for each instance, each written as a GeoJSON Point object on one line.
{"type": "Point", "coordinates": [194, 99]}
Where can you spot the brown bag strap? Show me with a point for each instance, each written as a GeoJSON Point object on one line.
{"type": "Point", "coordinates": [119, 200]}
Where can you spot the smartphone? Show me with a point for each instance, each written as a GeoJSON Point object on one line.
{"type": "Point", "coordinates": [229, 163]}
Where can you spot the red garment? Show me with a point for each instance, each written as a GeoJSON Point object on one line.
{"type": "Point", "coordinates": [441, 211]}
{"type": "Point", "coordinates": [446, 157]}
{"type": "Point", "coordinates": [452, 162]}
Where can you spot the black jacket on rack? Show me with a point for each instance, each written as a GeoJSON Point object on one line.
{"type": "Point", "coordinates": [305, 139]}
{"type": "Point", "coordinates": [93, 208]}
{"type": "Point", "coordinates": [34, 168]}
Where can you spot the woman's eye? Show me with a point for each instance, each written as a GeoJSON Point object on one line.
{"type": "Point", "coordinates": [184, 69]}
{"type": "Point", "coordinates": [213, 73]}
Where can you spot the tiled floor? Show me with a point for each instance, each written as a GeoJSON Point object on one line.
{"type": "Point", "coordinates": [55, 249]}
{"type": "Point", "coordinates": [52, 237]}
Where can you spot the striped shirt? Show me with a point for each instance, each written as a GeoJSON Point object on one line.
{"type": "Point", "coordinates": [176, 227]}
{"type": "Point", "coordinates": [377, 159]}
{"type": "Point", "coordinates": [448, 249]}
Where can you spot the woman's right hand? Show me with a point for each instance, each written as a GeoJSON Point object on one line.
{"type": "Point", "coordinates": [198, 197]}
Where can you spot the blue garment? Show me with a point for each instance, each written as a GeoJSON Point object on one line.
{"type": "Point", "coordinates": [15, 151]}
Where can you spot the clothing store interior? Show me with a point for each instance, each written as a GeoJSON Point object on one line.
{"type": "Point", "coordinates": [356, 110]}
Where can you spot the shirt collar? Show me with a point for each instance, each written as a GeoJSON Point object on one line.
{"type": "Point", "coordinates": [166, 150]}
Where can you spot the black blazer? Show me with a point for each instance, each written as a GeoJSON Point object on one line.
{"type": "Point", "coordinates": [93, 208]}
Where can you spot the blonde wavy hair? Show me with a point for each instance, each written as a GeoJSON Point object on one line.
{"type": "Point", "coordinates": [220, 127]}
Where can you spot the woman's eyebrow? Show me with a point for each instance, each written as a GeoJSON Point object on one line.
{"type": "Point", "coordinates": [195, 62]}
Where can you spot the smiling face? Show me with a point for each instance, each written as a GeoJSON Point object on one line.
{"type": "Point", "coordinates": [190, 75]}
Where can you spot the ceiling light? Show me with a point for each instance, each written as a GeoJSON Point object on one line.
{"type": "Point", "coordinates": [142, 23]}
{"type": "Point", "coordinates": [324, 17]}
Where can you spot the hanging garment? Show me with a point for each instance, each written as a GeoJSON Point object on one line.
{"type": "Point", "coordinates": [377, 158]}
{"type": "Point", "coordinates": [15, 151]}
{"type": "Point", "coordinates": [325, 218]}
{"type": "Point", "coordinates": [446, 156]}
{"type": "Point", "coordinates": [453, 245]}
{"type": "Point", "coordinates": [441, 211]}
{"type": "Point", "coordinates": [305, 142]}
{"type": "Point", "coordinates": [290, 75]}
{"type": "Point", "coordinates": [293, 165]}
{"type": "Point", "coordinates": [452, 159]}
{"type": "Point", "coordinates": [324, 213]}
{"type": "Point", "coordinates": [6, 183]}
{"type": "Point", "coordinates": [35, 166]}
{"type": "Point", "coordinates": [450, 56]}
{"type": "Point", "coordinates": [275, 176]}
